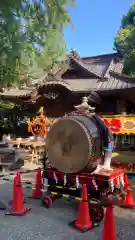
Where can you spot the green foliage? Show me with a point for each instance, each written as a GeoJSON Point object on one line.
{"type": "Point", "coordinates": [24, 25]}
{"type": "Point", "coordinates": [7, 105]}
{"type": "Point", "coordinates": [54, 51]}
{"type": "Point", "coordinates": [125, 41]}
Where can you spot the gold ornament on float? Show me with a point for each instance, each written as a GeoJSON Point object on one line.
{"type": "Point", "coordinates": [38, 126]}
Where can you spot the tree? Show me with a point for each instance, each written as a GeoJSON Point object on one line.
{"type": "Point", "coordinates": [30, 32]}
{"type": "Point", "coordinates": [125, 41]}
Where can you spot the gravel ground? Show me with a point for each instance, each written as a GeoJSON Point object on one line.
{"type": "Point", "coordinates": [52, 224]}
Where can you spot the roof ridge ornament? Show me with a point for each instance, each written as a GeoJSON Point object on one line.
{"type": "Point", "coordinates": [84, 106]}
{"type": "Point", "coordinates": [74, 53]}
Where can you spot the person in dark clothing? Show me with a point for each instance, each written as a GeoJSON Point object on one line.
{"type": "Point", "coordinates": [106, 136]}
{"type": "Point", "coordinates": [107, 142]}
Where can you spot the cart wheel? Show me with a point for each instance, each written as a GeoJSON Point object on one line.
{"type": "Point", "coordinates": [10, 202]}
{"type": "Point", "coordinates": [97, 214]}
{"type": "Point", "coordinates": [55, 197]}
{"type": "Point", "coordinates": [47, 201]}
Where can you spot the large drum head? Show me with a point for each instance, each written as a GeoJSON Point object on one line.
{"type": "Point", "coordinates": [68, 146]}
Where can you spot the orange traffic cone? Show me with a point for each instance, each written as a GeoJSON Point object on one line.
{"type": "Point", "coordinates": [37, 192]}
{"type": "Point", "coordinates": [18, 175]}
{"type": "Point", "coordinates": [129, 202]}
{"type": "Point", "coordinates": [17, 205]}
{"type": "Point", "coordinates": [83, 222]}
{"type": "Point", "coordinates": [20, 182]}
{"type": "Point", "coordinates": [109, 229]}
{"type": "Point", "coordinates": [126, 183]}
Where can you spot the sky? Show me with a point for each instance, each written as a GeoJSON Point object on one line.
{"type": "Point", "coordinates": [96, 24]}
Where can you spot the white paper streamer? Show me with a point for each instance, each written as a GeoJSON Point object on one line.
{"type": "Point", "coordinates": [77, 182]}
{"type": "Point", "coordinates": [118, 182]}
{"type": "Point", "coordinates": [122, 180]}
{"type": "Point", "coordinates": [55, 177]}
{"type": "Point", "coordinates": [112, 185]}
{"type": "Point", "coordinates": [94, 183]}
{"type": "Point", "coordinates": [65, 179]}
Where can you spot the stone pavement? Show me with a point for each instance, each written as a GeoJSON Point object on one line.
{"type": "Point", "coordinates": [52, 224]}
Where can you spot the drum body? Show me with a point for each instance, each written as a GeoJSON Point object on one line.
{"type": "Point", "coordinates": [74, 144]}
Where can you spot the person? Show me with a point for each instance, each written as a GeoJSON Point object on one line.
{"type": "Point", "coordinates": [106, 136]}
{"type": "Point", "coordinates": [107, 144]}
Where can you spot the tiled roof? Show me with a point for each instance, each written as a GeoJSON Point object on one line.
{"type": "Point", "coordinates": [100, 57]}
{"type": "Point", "coordinates": [96, 66]}
{"type": "Point", "coordinates": [101, 64]}
{"type": "Point", "coordinates": [18, 92]}
{"type": "Point", "coordinates": [114, 82]}
{"type": "Point", "coordinates": [82, 64]}
{"type": "Point", "coordinates": [61, 83]}
{"type": "Point", "coordinates": [99, 67]}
